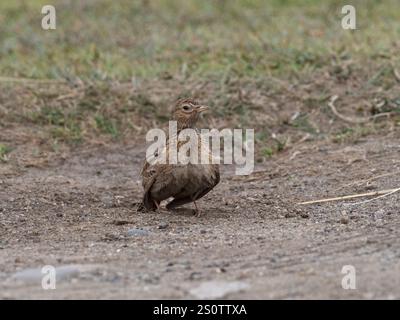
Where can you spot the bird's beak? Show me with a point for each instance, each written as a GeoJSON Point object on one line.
{"type": "Point", "coordinates": [201, 108]}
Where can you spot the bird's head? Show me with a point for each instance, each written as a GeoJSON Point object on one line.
{"type": "Point", "coordinates": [187, 112]}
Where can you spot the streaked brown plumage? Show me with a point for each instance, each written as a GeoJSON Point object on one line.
{"type": "Point", "coordinates": [185, 183]}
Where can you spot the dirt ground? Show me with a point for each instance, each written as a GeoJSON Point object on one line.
{"type": "Point", "coordinates": [324, 103]}
{"type": "Point", "coordinates": [77, 212]}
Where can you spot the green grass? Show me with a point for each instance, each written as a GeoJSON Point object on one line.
{"type": "Point", "coordinates": [302, 122]}
{"type": "Point", "coordinates": [255, 62]}
{"type": "Point", "coordinates": [4, 150]}
{"type": "Point", "coordinates": [352, 135]}
{"type": "Point", "coordinates": [108, 126]}
{"type": "Point", "coordinates": [63, 126]}
{"type": "Point", "coordinates": [124, 39]}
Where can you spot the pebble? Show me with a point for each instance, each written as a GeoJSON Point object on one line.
{"type": "Point", "coordinates": [304, 215]}
{"type": "Point", "coordinates": [163, 225]}
{"type": "Point", "coordinates": [108, 201]}
{"type": "Point", "coordinates": [137, 232]}
{"type": "Point", "coordinates": [217, 289]}
{"type": "Point", "coordinates": [35, 275]}
{"type": "Point", "coordinates": [120, 222]}
{"type": "Point", "coordinates": [290, 215]}
{"type": "Point", "coordinates": [195, 276]}
{"type": "Point", "coordinates": [344, 220]}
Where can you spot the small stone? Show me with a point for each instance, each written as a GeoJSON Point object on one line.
{"type": "Point", "coordinates": [202, 231]}
{"type": "Point", "coordinates": [371, 187]}
{"type": "Point", "coordinates": [195, 276]}
{"type": "Point", "coordinates": [163, 225]}
{"type": "Point", "coordinates": [34, 275]}
{"type": "Point", "coordinates": [379, 214]}
{"type": "Point", "coordinates": [137, 232]}
{"type": "Point", "coordinates": [369, 295]}
{"type": "Point", "coordinates": [290, 215]}
{"type": "Point", "coordinates": [112, 237]}
{"type": "Point", "coordinates": [108, 201]}
{"type": "Point", "coordinates": [150, 279]}
{"type": "Point", "coordinates": [344, 220]}
{"type": "Point", "coordinates": [217, 289]}
{"type": "Point", "coordinates": [304, 215]}
{"type": "Point", "coordinates": [120, 222]}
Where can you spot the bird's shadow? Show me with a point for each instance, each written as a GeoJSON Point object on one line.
{"type": "Point", "coordinates": [182, 211]}
{"type": "Point", "coordinates": [177, 211]}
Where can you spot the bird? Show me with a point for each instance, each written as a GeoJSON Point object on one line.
{"type": "Point", "coordinates": [185, 183]}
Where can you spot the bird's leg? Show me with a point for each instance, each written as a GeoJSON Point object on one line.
{"type": "Point", "coordinates": [198, 212]}
{"type": "Point", "coordinates": [157, 205]}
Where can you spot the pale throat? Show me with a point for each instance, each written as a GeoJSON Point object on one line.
{"type": "Point", "coordinates": [185, 124]}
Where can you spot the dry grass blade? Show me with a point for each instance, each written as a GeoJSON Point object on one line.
{"type": "Point", "coordinates": [361, 195]}
{"type": "Point", "coordinates": [381, 196]}
{"type": "Point", "coordinates": [71, 95]}
{"type": "Point", "coordinates": [353, 120]}
{"type": "Point", "coordinates": [396, 73]}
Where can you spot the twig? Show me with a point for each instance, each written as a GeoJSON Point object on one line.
{"type": "Point", "coordinates": [342, 117]}
{"type": "Point", "coordinates": [368, 194]}
{"type": "Point", "coordinates": [71, 95]}
{"type": "Point", "coordinates": [354, 120]}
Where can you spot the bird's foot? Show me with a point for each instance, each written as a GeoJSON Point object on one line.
{"type": "Point", "coordinates": [197, 212]}
{"type": "Point", "coordinates": [158, 206]}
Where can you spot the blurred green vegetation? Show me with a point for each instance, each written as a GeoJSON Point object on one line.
{"type": "Point", "coordinates": [4, 150]}
{"type": "Point", "coordinates": [101, 39]}
{"type": "Point", "coordinates": [271, 65]}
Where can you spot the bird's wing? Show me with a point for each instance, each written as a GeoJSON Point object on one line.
{"type": "Point", "coordinates": [209, 184]}
{"type": "Point", "coordinates": [151, 164]}
{"type": "Point", "coordinates": [149, 175]}
{"type": "Point", "coordinates": [165, 181]}
{"type": "Point", "coordinates": [159, 178]}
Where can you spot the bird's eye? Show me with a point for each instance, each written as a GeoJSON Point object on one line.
{"type": "Point", "coordinates": [186, 107]}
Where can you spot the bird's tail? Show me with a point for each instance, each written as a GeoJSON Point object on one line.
{"type": "Point", "coordinates": [148, 202]}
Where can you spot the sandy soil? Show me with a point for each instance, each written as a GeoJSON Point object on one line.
{"type": "Point", "coordinates": [78, 212]}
